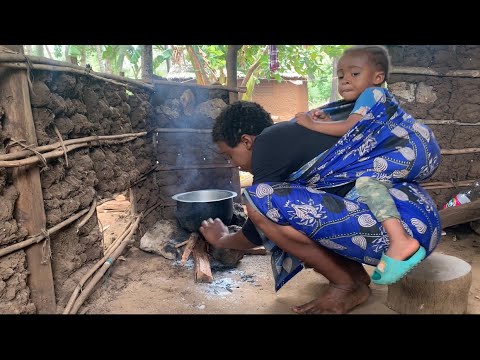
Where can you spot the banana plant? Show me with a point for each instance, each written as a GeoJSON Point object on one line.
{"type": "Point", "coordinates": [133, 55]}
{"type": "Point", "coordinates": [250, 86]}
{"type": "Point", "coordinates": [164, 55]}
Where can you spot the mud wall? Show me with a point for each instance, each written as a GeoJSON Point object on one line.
{"type": "Point", "coordinates": [282, 100]}
{"type": "Point", "coordinates": [186, 158]}
{"type": "Point", "coordinates": [77, 107]}
{"type": "Point", "coordinates": [166, 161]}
{"type": "Point", "coordinates": [14, 292]}
{"type": "Point", "coordinates": [443, 98]}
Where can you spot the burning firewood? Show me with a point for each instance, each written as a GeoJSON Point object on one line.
{"type": "Point", "coordinates": [192, 240]}
{"type": "Point", "coordinates": [203, 271]}
{"type": "Point", "coordinates": [259, 250]}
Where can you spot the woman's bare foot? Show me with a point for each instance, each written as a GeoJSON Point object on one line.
{"type": "Point", "coordinates": [336, 300]}
{"type": "Point", "coordinates": [357, 271]}
{"type": "Point", "coordinates": [360, 274]}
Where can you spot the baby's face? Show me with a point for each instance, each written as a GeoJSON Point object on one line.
{"type": "Point", "coordinates": [355, 74]}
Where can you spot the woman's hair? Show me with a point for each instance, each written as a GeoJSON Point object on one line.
{"type": "Point", "coordinates": [377, 54]}
{"type": "Point", "coordinates": [241, 117]}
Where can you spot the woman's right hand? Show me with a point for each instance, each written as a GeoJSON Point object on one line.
{"type": "Point", "coordinates": [213, 231]}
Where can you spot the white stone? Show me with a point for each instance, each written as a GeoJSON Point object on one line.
{"type": "Point", "coordinates": [162, 237]}
{"type": "Point", "coordinates": [403, 90]}
{"type": "Point", "coordinates": [425, 94]}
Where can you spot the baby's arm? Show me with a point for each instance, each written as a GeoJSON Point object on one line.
{"type": "Point", "coordinates": [365, 101]}
{"type": "Point", "coordinates": [325, 125]}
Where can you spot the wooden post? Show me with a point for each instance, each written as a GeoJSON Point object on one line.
{"type": "Point", "coordinates": [29, 209]}
{"type": "Point", "coordinates": [133, 202]}
{"type": "Point", "coordinates": [231, 64]}
{"type": "Point", "coordinates": [439, 285]}
{"type": "Point", "coordinates": [147, 63]}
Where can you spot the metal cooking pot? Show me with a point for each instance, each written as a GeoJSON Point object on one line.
{"type": "Point", "coordinates": [195, 206]}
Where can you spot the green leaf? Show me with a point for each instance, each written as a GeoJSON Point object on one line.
{"type": "Point", "coordinates": [110, 52]}
{"type": "Point", "coordinates": [57, 51]}
{"type": "Point", "coordinates": [167, 54]}
{"type": "Point", "coordinates": [75, 50]}
{"type": "Point", "coordinates": [133, 55]}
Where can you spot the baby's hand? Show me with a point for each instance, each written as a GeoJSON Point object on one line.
{"type": "Point", "coordinates": [320, 115]}
{"type": "Point", "coordinates": [312, 119]}
{"type": "Point", "coordinates": [303, 118]}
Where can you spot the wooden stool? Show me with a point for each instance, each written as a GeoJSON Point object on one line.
{"type": "Point", "coordinates": [475, 225]}
{"type": "Point", "coordinates": [439, 285]}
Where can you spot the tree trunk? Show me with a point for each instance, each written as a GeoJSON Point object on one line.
{"type": "Point", "coordinates": [439, 285]}
{"type": "Point", "coordinates": [67, 50]}
{"type": "Point", "coordinates": [38, 50]}
{"type": "Point", "coordinates": [48, 52]}
{"type": "Point", "coordinates": [334, 93]}
{"type": "Point", "coordinates": [98, 49]}
{"type": "Point", "coordinates": [147, 63]}
{"type": "Point", "coordinates": [83, 57]}
{"type": "Point", "coordinates": [169, 63]}
{"type": "Point", "coordinates": [232, 53]}
{"type": "Point", "coordinates": [136, 72]}
{"type": "Point", "coordinates": [121, 57]}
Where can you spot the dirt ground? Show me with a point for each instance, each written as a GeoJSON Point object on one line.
{"type": "Point", "coordinates": [144, 283]}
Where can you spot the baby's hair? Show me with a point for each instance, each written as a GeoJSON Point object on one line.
{"type": "Point", "coordinates": [377, 54]}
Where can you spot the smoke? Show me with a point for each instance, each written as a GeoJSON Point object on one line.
{"type": "Point", "coordinates": [187, 159]}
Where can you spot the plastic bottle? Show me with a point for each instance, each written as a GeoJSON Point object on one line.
{"type": "Point", "coordinates": [465, 196]}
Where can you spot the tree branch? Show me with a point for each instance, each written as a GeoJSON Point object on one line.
{"type": "Point", "coordinates": [255, 65]}
{"type": "Point", "coordinates": [232, 53]}
{"type": "Point", "coordinates": [212, 78]}
{"type": "Point", "coordinates": [48, 52]}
